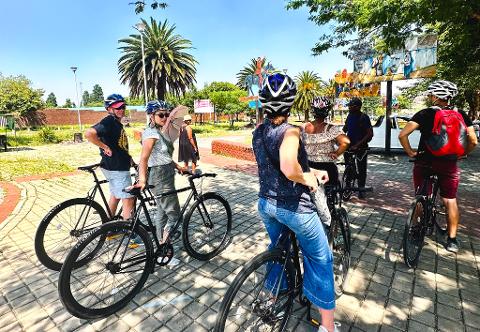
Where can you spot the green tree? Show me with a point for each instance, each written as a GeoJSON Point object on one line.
{"type": "Point", "coordinates": [97, 95]}
{"type": "Point", "coordinates": [140, 5]}
{"type": "Point", "coordinates": [68, 104]}
{"type": "Point", "coordinates": [51, 100]}
{"type": "Point", "coordinates": [17, 96]}
{"type": "Point", "coordinates": [308, 86]}
{"type": "Point", "coordinates": [169, 67]}
{"type": "Point", "coordinates": [387, 24]}
{"type": "Point", "coordinates": [85, 98]}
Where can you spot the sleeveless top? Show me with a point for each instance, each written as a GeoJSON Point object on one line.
{"type": "Point", "coordinates": [274, 185]}
{"type": "Point", "coordinates": [319, 145]}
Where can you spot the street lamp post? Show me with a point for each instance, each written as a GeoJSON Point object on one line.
{"type": "Point", "coordinates": [140, 27]}
{"type": "Point", "coordinates": [74, 69]}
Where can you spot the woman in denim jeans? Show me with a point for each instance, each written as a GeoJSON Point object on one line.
{"type": "Point", "coordinates": [284, 197]}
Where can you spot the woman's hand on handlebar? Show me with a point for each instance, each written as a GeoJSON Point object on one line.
{"type": "Point", "coordinates": [139, 184]}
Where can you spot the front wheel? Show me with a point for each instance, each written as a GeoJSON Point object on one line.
{"type": "Point", "coordinates": [62, 227]}
{"type": "Point", "coordinates": [414, 232]}
{"type": "Point", "coordinates": [339, 243]}
{"type": "Point", "coordinates": [207, 226]}
{"type": "Point", "coordinates": [106, 282]}
{"type": "Point", "coordinates": [260, 297]}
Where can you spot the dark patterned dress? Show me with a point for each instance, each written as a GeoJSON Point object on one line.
{"type": "Point", "coordinates": [186, 153]}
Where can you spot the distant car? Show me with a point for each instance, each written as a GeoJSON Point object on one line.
{"type": "Point", "coordinates": [378, 140]}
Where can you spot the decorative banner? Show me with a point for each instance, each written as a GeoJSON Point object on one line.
{"type": "Point", "coordinates": [346, 87]}
{"type": "Point", "coordinates": [203, 106]}
{"type": "Point", "coordinates": [417, 60]}
{"type": "Point", "coordinates": [255, 81]}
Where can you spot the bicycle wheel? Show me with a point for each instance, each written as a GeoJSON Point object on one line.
{"type": "Point", "coordinates": [260, 297]}
{"type": "Point", "coordinates": [207, 226]}
{"type": "Point", "coordinates": [343, 215]}
{"type": "Point", "coordinates": [414, 232]}
{"type": "Point", "coordinates": [108, 281]}
{"type": "Point", "coordinates": [348, 181]}
{"type": "Point", "coordinates": [63, 226]}
{"type": "Point", "coordinates": [341, 252]}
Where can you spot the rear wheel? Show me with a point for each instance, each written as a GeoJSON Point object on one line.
{"type": "Point", "coordinates": [341, 253]}
{"type": "Point", "coordinates": [109, 280]}
{"type": "Point", "coordinates": [348, 181]}
{"type": "Point", "coordinates": [207, 226]}
{"type": "Point", "coordinates": [260, 297]}
{"type": "Point", "coordinates": [62, 227]}
{"type": "Point", "coordinates": [414, 232]}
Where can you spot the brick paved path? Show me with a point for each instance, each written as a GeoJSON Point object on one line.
{"type": "Point", "coordinates": [443, 293]}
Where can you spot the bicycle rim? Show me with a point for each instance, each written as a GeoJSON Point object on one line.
{"type": "Point", "coordinates": [60, 230]}
{"type": "Point", "coordinates": [207, 226]}
{"type": "Point", "coordinates": [261, 296]}
{"type": "Point", "coordinates": [110, 279]}
{"type": "Point", "coordinates": [341, 255]}
{"type": "Point", "coordinates": [348, 181]}
{"type": "Point", "coordinates": [414, 233]}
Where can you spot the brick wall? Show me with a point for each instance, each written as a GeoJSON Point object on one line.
{"type": "Point", "coordinates": [60, 116]}
{"type": "Point", "coordinates": [233, 149]}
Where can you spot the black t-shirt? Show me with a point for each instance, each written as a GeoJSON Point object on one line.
{"type": "Point", "coordinates": [111, 132]}
{"type": "Point", "coordinates": [425, 119]}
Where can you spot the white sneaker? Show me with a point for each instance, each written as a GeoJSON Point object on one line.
{"type": "Point", "coordinates": [173, 262]}
{"type": "Point", "coordinates": [324, 329]}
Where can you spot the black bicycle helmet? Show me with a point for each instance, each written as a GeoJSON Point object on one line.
{"type": "Point", "coordinates": [321, 106]}
{"type": "Point", "coordinates": [113, 99]}
{"type": "Point", "coordinates": [277, 94]}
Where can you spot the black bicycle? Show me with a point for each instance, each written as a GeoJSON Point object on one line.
{"type": "Point", "coordinates": [423, 218]}
{"type": "Point", "coordinates": [350, 175]}
{"type": "Point", "coordinates": [107, 268]}
{"type": "Point", "coordinates": [261, 296]}
{"type": "Point", "coordinates": [62, 227]}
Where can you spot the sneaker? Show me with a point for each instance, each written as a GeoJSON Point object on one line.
{"type": "Point", "coordinates": [361, 195]}
{"type": "Point", "coordinates": [321, 328]}
{"type": "Point", "coordinates": [113, 236]}
{"type": "Point", "coordinates": [452, 244]}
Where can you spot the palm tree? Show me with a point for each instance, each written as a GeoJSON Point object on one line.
{"type": "Point", "coordinates": [308, 86]}
{"type": "Point", "coordinates": [249, 69]}
{"type": "Point", "coordinates": [168, 67]}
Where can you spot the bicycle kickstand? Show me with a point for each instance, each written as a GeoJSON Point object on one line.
{"type": "Point", "coordinates": [310, 319]}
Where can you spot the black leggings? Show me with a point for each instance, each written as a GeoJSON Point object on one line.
{"type": "Point", "coordinates": [331, 169]}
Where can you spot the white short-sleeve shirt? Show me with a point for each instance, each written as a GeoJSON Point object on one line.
{"type": "Point", "coordinates": [159, 155]}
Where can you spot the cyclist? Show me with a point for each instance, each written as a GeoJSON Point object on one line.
{"type": "Point", "coordinates": [112, 140]}
{"type": "Point", "coordinates": [284, 197]}
{"type": "Point", "coordinates": [156, 154]}
{"type": "Point", "coordinates": [359, 130]}
{"type": "Point", "coordinates": [440, 94]}
{"type": "Point", "coordinates": [320, 138]}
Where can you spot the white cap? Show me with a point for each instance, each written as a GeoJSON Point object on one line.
{"type": "Point", "coordinates": [187, 117]}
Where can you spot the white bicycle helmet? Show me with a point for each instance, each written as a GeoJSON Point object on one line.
{"type": "Point", "coordinates": [443, 89]}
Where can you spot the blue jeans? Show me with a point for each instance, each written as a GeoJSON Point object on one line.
{"type": "Point", "coordinates": [318, 284]}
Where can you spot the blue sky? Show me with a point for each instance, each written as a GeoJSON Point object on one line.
{"type": "Point", "coordinates": [42, 39]}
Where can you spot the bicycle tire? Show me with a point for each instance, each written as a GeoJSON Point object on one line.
{"type": "Point", "coordinates": [414, 233]}
{"type": "Point", "coordinates": [78, 299]}
{"type": "Point", "coordinates": [348, 181]}
{"type": "Point", "coordinates": [341, 252]}
{"type": "Point", "coordinates": [208, 241]}
{"type": "Point", "coordinates": [259, 262]}
{"type": "Point", "coordinates": [63, 246]}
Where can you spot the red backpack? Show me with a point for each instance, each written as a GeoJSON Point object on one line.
{"type": "Point", "coordinates": [449, 134]}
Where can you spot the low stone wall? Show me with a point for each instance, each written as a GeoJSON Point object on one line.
{"type": "Point", "coordinates": [233, 149]}
{"type": "Point", "coordinates": [60, 116]}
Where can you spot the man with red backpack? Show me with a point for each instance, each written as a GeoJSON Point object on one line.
{"type": "Point", "coordinates": [446, 135]}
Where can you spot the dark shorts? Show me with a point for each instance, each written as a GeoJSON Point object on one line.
{"type": "Point", "coordinates": [331, 169]}
{"type": "Point", "coordinates": [448, 176]}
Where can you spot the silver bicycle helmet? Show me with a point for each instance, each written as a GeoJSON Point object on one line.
{"type": "Point", "coordinates": [442, 89]}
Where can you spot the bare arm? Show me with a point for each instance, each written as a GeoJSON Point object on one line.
{"type": "Point", "coordinates": [289, 163]}
{"type": "Point", "coordinates": [472, 140]}
{"type": "Point", "coordinates": [190, 137]}
{"type": "Point", "coordinates": [343, 142]}
{"type": "Point", "coordinates": [403, 138]}
{"type": "Point", "coordinates": [147, 147]}
{"type": "Point", "coordinates": [92, 136]}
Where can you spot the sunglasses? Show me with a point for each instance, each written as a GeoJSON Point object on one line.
{"type": "Point", "coordinates": [123, 107]}
{"type": "Point", "coordinates": [162, 115]}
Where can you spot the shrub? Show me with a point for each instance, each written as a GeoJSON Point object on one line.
{"type": "Point", "coordinates": [47, 135]}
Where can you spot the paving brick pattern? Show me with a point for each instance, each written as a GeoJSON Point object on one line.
{"type": "Point", "coordinates": [442, 294]}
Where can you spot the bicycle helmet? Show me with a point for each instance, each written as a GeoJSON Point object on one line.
{"type": "Point", "coordinates": [155, 105]}
{"type": "Point", "coordinates": [277, 94]}
{"type": "Point", "coordinates": [444, 90]}
{"type": "Point", "coordinates": [113, 99]}
{"type": "Point", "coordinates": [321, 106]}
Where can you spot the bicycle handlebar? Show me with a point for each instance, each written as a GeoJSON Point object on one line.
{"type": "Point", "coordinates": [89, 168]}
{"type": "Point", "coordinates": [194, 176]}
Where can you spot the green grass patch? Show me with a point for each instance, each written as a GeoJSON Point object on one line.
{"type": "Point", "coordinates": [16, 166]}
{"type": "Point", "coordinates": [218, 129]}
